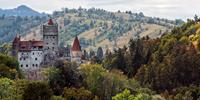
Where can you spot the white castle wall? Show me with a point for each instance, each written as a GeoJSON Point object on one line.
{"type": "Point", "coordinates": [50, 39]}
{"type": "Point", "coordinates": [30, 60]}
{"type": "Point", "coordinates": [76, 56]}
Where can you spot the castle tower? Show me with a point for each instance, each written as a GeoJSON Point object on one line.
{"type": "Point", "coordinates": [15, 46]}
{"type": "Point", "coordinates": [50, 38]}
{"type": "Point", "coordinates": [76, 52]}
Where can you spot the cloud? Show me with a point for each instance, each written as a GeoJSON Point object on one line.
{"type": "Point", "coordinates": [106, 2]}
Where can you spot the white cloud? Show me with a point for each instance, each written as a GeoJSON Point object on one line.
{"type": "Point", "coordinates": [162, 8]}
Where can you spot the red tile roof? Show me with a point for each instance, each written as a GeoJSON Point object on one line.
{"type": "Point", "coordinates": [50, 22]}
{"type": "Point", "coordinates": [37, 43]}
{"type": "Point", "coordinates": [26, 45]}
{"type": "Point", "coordinates": [76, 45]}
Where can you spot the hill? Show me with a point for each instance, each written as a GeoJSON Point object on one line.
{"type": "Point", "coordinates": [18, 21]}
{"type": "Point", "coordinates": [20, 11]}
{"type": "Point", "coordinates": [97, 27]}
{"type": "Point", "coordinates": [11, 26]}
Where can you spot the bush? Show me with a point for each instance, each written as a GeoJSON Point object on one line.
{"type": "Point", "coordinates": [57, 98]}
{"type": "Point", "coordinates": [6, 89]}
{"type": "Point", "coordinates": [77, 94]}
{"type": "Point", "coordinates": [37, 91]}
{"type": "Point", "coordinates": [125, 95]}
{"type": "Point", "coordinates": [142, 96]}
{"type": "Point", "coordinates": [106, 84]}
{"type": "Point", "coordinates": [9, 67]}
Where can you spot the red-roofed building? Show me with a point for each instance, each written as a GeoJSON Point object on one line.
{"type": "Point", "coordinates": [29, 54]}
{"type": "Point", "coordinates": [50, 22]}
{"type": "Point", "coordinates": [76, 52]}
{"type": "Point", "coordinates": [32, 55]}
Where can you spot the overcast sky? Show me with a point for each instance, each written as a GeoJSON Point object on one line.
{"type": "Point", "coordinates": [171, 9]}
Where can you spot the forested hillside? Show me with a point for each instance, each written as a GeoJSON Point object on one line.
{"type": "Point", "coordinates": [11, 26]}
{"type": "Point", "coordinates": [168, 65]}
{"type": "Point", "coordinates": [21, 10]}
{"type": "Point", "coordinates": [166, 68]}
{"type": "Point", "coordinates": [152, 59]}
{"type": "Point", "coordinates": [18, 21]}
{"type": "Point", "coordinates": [97, 27]}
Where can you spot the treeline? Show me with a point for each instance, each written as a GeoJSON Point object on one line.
{"type": "Point", "coordinates": [168, 65]}
{"type": "Point", "coordinates": [12, 25]}
{"type": "Point", "coordinates": [9, 67]}
{"type": "Point", "coordinates": [68, 81]}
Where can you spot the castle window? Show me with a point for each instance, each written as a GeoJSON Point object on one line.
{"type": "Point", "coordinates": [35, 58]}
{"type": "Point", "coordinates": [33, 53]}
{"type": "Point", "coordinates": [53, 37]}
{"type": "Point", "coordinates": [36, 65]}
{"type": "Point", "coordinates": [26, 65]}
{"type": "Point", "coordinates": [48, 48]}
{"type": "Point", "coordinates": [20, 58]}
{"type": "Point", "coordinates": [21, 65]}
{"type": "Point", "coordinates": [47, 43]}
{"type": "Point", "coordinates": [24, 58]}
{"type": "Point", "coordinates": [33, 65]}
{"type": "Point", "coordinates": [53, 48]}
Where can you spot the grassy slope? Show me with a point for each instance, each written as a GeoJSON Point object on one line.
{"type": "Point", "coordinates": [151, 30]}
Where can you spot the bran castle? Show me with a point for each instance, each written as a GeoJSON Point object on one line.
{"type": "Point", "coordinates": [34, 55]}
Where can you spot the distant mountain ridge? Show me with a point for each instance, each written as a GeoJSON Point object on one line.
{"type": "Point", "coordinates": [22, 11]}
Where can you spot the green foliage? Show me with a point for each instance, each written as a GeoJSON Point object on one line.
{"type": "Point", "coordinates": [65, 74]}
{"type": "Point", "coordinates": [51, 73]}
{"type": "Point", "coordinates": [37, 91]}
{"type": "Point", "coordinates": [161, 64]}
{"type": "Point", "coordinates": [57, 98]}
{"type": "Point", "coordinates": [19, 88]}
{"type": "Point", "coordinates": [129, 61]}
{"type": "Point", "coordinates": [142, 96]}
{"type": "Point", "coordinates": [125, 95]}
{"type": "Point", "coordinates": [6, 89]}
{"type": "Point", "coordinates": [187, 93]}
{"type": "Point", "coordinates": [77, 94]}
{"type": "Point", "coordinates": [9, 67]}
{"type": "Point", "coordinates": [95, 77]}
{"type": "Point", "coordinates": [11, 26]}
{"type": "Point", "coordinates": [12, 89]}
{"type": "Point", "coordinates": [100, 54]}
{"type": "Point", "coordinates": [5, 48]}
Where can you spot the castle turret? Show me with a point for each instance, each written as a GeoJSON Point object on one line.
{"type": "Point", "coordinates": [50, 38]}
{"type": "Point", "coordinates": [76, 52]}
{"type": "Point", "coordinates": [15, 46]}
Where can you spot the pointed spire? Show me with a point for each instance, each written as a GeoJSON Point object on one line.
{"type": "Point", "coordinates": [76, 45]}
{"type": "Point", "coordinates": [50, 22]}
